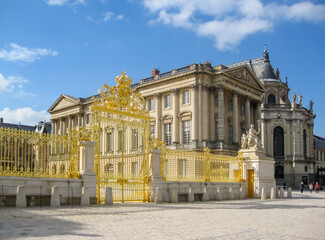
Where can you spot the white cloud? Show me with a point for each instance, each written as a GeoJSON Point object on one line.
{"type": "Point", "coordinates": [64, 2]}
{"type": "Point", "coordinates": [7, 84]}
{"type": "Point", "coordinates": [26, 116]}
{"type": "Point", "coordinates": [14, 84]}
{"type": "Point", "coordinates": [230, 21]}
{"type": "Point", "coordinates": [119, 17]}
{"type": "Point", "coordinates": [107, 16]}
{"type": "Point", "coordinates": [24, 54]}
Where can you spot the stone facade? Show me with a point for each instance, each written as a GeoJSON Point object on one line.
{"type": "Point", "coordinates": [201, 106]}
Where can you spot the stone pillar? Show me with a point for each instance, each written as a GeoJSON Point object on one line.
{"type": "Point", "coordinates": [248, 113]}
{"type": "Point", "coordinates": [87, 149]}
{"type": "Point", "coordinates": [69, 122]}
{"type": "Point", "coordinates": [200, 111]}
{"type": "Point", "coordinates": [158, 116]}
{"type": "Point", "coordinates": [21, 197]}
{"type": "Point", "coordinates": [84, 196]}
{"type": "Point", "coordinates": [263, 167]}
{"type": "Point", "coordinates": [61, 127]}
{"type": "Point", "coordinates": [155, 179]}
{"type": "Point", "coordinates": [195, 113]}
{"type": "Point", "coordinates": [54, 126]}
{"type": "Point", "coordinates": [205, 115]}
{"type": "Point", "coordinates": [175, 135]}
{"type": "Point", "coordinates": [211, 116]}
{"type": "Point", "coordinates": [79, 120]}
{"type": "Point", "coordinates": [55, 197]}
{"type": "Point", "coordinates": [108, 196]}
{"type": "Point", "coordinates": [235, 118]}
{"type": "Point", "coordinates": [221, 114]}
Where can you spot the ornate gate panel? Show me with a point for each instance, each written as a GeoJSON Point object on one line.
{"type": "Point", "coordinates": [121, 130]}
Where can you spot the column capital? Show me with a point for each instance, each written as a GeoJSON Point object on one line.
{"type": "Point", "coordinates": [175, 91]}
{"type": "Point", "coordinates": [157, 95]}
{"type": "Point", "coordinates": [194, 87]}
{"type": "Point", "coordinates": [235, 92]}
{"type": "Point", "coordinates": [205, 86]}
{"type": "Point", "coordinates": [220, 86]}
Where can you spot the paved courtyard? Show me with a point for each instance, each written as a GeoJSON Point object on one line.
{"type": "Point", "coordinates": [301, 217]}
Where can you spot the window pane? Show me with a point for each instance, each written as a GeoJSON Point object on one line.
{"type": "Point", "coordinates": [151, 104]}
{"type": "Point", "coordinates": [186, 97]}
{"type": "Point", "coordinates": [152, 131]}
{"type": "Point", "coordinates": [167, 101]}
{"type": "Point", "coordinates": [186, 132]}
{"type": "Point", "coordinates": [168, 133]}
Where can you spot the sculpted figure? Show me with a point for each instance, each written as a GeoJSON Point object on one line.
{"type": "Point", "coordinates": [244, 141]}
{"type": "Point", "coordinates": [300, 98]}
{"type": "Point", "coordinates": [253, 140]}
{"type": "Point", "coordinates": [294, 97]}
{"type": "Point", "coordinates": [311, 103]}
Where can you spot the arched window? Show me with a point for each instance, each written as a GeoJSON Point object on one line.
{"type": "Point", "coordinates": [278, 142]}
{"type": "Point", "coordinates": [278, 172]}
{"type": "Point", "coordinates": [109, 169]}
{"type": "Point", "coordinates": [271, 99]}
{"type": "Point", "coordinates": [304, 146]}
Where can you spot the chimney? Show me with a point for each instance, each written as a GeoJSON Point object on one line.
{"type": "Point", "coordinates": [155, 72]}
{"type": "Point", "coordinates": [1, 120]}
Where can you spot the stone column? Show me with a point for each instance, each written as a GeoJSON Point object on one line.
{"type": "Point", "coordinates": [155, 183]}
{"type": "Point", "coordinates": [235, 117]}
{"type": "Point", "coordinates": [221, 114]}
{"type": "Point", "coordinates": [211, 116]}
{"type": "Point", "coordinates": [87, 149]}
{"type": "Point", "coordinates": [61, 127]}
{"type": "Point", "coordinates": [200, 111]}
{"type": "Point", "coordinates": [79, 120]}
{"type": "Point", "coordinates": [248, 113]}
{"type": "Point", "coordinates": [205, 114]}
{"type": "Point", "coordinates": [195, 113]}
{"type": "Point", "coordinates": [69, 122]}
{"type": "Point", "coordinates": [54, 123]}
{"type": "Point", "coordinates": [175, 135]}
{"type": "Point", "coordinates": [64, 126]}
{"type": "Point", "coordinates": [158, 116]}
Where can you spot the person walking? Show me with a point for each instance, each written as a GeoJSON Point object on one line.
{"type": "Point", "coordinates": [311, 187]}
{"type": "Point", "coordinates": [301, 187]}
{"type": "Point", "coordinates": [316, 187]}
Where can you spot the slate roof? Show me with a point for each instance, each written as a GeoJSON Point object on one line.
{"type": "Point", "coordinates": [319, 142]}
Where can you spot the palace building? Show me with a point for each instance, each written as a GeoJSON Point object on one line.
{"type": "Point", "coordinates": [201, 105]}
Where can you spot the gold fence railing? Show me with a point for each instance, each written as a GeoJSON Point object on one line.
{"type": "Point", "coordinates": [194, 166]}
{"type": "Point", "coordinates": [31, 154]}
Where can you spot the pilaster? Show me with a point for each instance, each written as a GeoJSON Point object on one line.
{"type": "Point", "coordinates": [175, 129]}
{"type": "Point", "coordinates": [221, 114]}
{"type": "Point", "coordinates": [194, 97]}
{"type": "Point", "coordinates": [158, 115]}
{"type": "Point", "coordinates": [235, 117]}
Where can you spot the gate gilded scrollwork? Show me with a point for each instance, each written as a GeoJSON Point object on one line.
{"type": "Point", "coordinates": [121, 126]}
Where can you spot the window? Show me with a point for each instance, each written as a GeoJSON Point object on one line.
{"type": "Point", "coordinates": [135, 138]}
{"type": "Point", "coordinates": [134, 169]}
{"type": "Point", "coordinates": [151, 104]}
{"type": "Point", "coordinates": [306, 168]}
{"type": "Point", "coordinates": [182, 168]}
{"type": "Point", "coordinates": [216, 131]}
{"type": "Point", "coordinates": [168, 133]}
{"type": "Point", "coordinates": [186, 97]}
{"type": "Point", "coordinates": [109, 142]}
{"type": "Point", "coordinates": [278, 142]}
{"type": "Point", "coordinates": [121, 140]}
{"type": "Point", "coordinates": [242, 109]}
{"type": "Point", "coordinates": [230, 135]}
{"type": "Point", "coordinates": [152, 130]}
{"type": "Point", "coordinates": [167, 101]}
{"type": "Point", "coordinates": [217, 102]}
{"type": "Point", "coordinates": [271, 99]}
{"type": "Point", "coordinates": [87, 118]}
{"type": "Point", "coordinates": [279, 172]}
{"type": "Point", "coordinates": [109, 169]}
{"type": "Point", "coordinates": [186, 132]}
{"type": "Point", "coordinates": [304, 145]}
{"type": "Point", "coordinates": [230, 105]}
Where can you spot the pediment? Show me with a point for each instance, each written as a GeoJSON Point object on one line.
{"type": "Point", "coordinates": [245, 75]}
{"type": "Point", "coordinates": [63, 102]}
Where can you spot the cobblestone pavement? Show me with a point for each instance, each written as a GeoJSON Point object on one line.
{"type": "Point", "coordinates": [301, 217]}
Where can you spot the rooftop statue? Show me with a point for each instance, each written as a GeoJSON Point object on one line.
{"type": "Point", "coordinates": [300, 98]}
{"type": "Point", "coordinates": [293, 97]}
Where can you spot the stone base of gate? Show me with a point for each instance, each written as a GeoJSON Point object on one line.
{"type": "Point", "coordinates": [263, 167]}
{"type": "Point", "coordinates": [196, 191]}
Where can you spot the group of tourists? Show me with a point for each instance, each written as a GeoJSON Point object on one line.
{"type": "Point", "coordinates": [311, 186]}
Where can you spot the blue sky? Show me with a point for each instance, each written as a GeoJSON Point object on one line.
{"type": "Point", "coordinates": [50, 47]}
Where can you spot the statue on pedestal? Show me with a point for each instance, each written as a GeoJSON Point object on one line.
{"type": "Point", "coordinates": [294, 97]}
{"type": "Point", "coordinates": [251, 140]}
{"type": "Point", "coordinates": [300, 98]}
